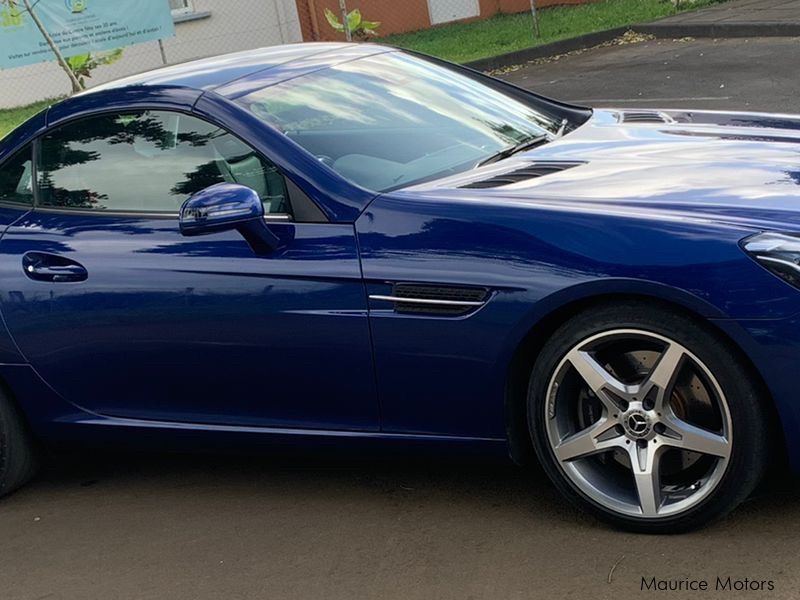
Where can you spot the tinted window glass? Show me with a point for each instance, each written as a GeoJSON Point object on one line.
{"type": "Point", "coordinates": [148, 162]}
{"type": "Point", "coordinates": [392, 120]}
{"type": "Point", "coordinates": [16, 179]}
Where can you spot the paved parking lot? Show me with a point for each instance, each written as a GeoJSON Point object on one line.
{"type": "Point", "coordinates": [199, 527]}
{"type": "Point", "coordinates": [733, 74]}
{"type": "Point", "coordinates": [223, 528]}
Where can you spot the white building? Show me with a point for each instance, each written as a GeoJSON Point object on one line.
{"type": "Point", "coordinates": [202, 28]}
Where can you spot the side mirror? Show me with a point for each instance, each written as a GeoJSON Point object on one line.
{"type": "Point", "coordinates": [225, 207]}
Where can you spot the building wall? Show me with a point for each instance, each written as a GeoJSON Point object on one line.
{"type": "Point", "coordinates": [225, 26]}
{"type": "Point", "coordinates": [398, 16]}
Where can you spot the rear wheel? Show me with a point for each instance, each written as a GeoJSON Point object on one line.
{"type": "Point", "coordinates": [17, 455]}
{"type": "Point", "coordinates": [646, 419]}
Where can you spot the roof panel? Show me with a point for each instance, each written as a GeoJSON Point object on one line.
{"type": "Point", "coordinates": [209, 73]}
{"type": "Point", "coordinates": [308, 64]}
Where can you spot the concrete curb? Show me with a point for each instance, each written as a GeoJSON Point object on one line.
{"type": "Point", "coordinates": [561, 47]}
{"type": "Point", "coordinates": [656, 28]}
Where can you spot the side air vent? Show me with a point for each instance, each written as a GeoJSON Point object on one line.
{"type": "Point", "coordinates": [413, 298]}
{"type": "Point", "coordinates": [532, 171]}
{"type": "Point", "coordinates": [645, 116]}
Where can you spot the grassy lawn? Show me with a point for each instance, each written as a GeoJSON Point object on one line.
{"type": "Point", "coordinates": [11, 117]}
{"type": "Point", "coordinates": [463, 42]}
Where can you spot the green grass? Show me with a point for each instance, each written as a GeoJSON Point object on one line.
{"type": "Point", "coordinates": [11, 117]}
{"type": "Point", "coordinates": [464, 42]}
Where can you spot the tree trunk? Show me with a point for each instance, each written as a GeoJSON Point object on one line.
{"type": "Point", "coordinates": [343, 9]}
{"type": "Point", "coordinates": [76, 85]}
{"type": "Point", "coordinates": [535, 15]}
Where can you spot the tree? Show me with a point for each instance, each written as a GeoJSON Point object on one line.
{"type": "Point", "coordinates": [76, 86]}
{"type": "Point", "coordinates": [535, 15]}
{"type": "Point", "coordinates": [353, 24]}
{"type": "Point", "coordinates": [82, 65]}
{"type": "Point", "coordinates": [78, 68]}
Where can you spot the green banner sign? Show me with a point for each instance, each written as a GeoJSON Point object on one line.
{"type": "Point", "coordinates": [78, 26]}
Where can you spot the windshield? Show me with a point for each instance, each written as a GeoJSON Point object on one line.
{"type": "Point", "coordinates": [392, 120]}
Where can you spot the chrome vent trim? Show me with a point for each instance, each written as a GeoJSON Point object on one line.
{"type": "Point", "coordinates": [645, 116]}
{"type": "Point", "coordinates": [413, 298]}
{"type": "Point", "coordinates": [530, 171]}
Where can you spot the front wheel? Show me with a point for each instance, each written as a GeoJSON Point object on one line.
{"type": "Point", "coordinates": [643, 417]}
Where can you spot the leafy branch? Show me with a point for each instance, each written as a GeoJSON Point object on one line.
{"type": "Point", "coordinates": [82, 65]}
{"type": "Point", "coordinates": [359, 27]}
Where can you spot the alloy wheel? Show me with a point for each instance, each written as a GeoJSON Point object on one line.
{"type": "Point", "coordinates": [638, 423]}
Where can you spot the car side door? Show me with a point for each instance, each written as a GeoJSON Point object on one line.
{"type": "Point", "coordinates": [125, 317]}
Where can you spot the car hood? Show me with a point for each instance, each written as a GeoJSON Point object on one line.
{"type": "Point", "coordinates": [743, 168]}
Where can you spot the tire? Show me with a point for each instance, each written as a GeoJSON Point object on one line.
{"type": "Point", "coordinates": [18, 462]}
{"type": "Point", "coordinates": [647, 418]}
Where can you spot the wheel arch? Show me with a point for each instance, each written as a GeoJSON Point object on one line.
{"type": "Point", "coordinates": [541, 330]}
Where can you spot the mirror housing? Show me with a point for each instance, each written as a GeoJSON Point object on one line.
{"type": "Point", "coordinates": [221, 207]}
{"type": "Point", "coordinates": [227, 207]}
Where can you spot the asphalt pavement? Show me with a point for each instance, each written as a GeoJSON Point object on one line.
{"type": "Point", "coordinates": [197, 527]}
{"type": "Point", "coordinates": [734, 18]}
{"type": "Point", "coordinates": [111, 527]}
{"type": "Point", "coordinates": [757, 74]}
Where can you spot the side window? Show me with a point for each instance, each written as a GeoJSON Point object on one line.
{"type": "Point", "coordinates": [16, 179]}
{"type": "Point", "coordinates": [148, 161]}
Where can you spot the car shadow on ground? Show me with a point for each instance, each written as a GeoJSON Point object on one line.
{"type": "Point", "coordinates": [117, 525]}
{"type": "Point", "coordinates": [474, 485]}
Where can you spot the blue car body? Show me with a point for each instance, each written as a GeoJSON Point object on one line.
{"type": "Point", "coordinates": [199, 343]}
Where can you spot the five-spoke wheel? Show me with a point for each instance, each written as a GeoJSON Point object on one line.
{"type": "Point", "coordinates": [630, 415]}
{"type": "Point", "coordinates": [636, 384]}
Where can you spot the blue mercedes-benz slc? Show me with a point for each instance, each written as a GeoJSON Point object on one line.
{"type": "Point", "coordinates": [351, 245]}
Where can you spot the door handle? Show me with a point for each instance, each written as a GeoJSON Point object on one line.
{"type": "Point", "coordinates": [42, 266]}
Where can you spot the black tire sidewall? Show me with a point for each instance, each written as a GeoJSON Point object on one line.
{"type": "Point", "coordinates": [18, 456]}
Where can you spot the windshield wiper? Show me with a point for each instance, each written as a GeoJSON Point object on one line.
{"type": "Point", "coordinates": [526, 144]}
{"type": "Point", "coordinates": [562, 129]}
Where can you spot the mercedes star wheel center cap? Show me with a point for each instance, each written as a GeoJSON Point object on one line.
{"type": "Point", "coordinates": [637, 424]}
